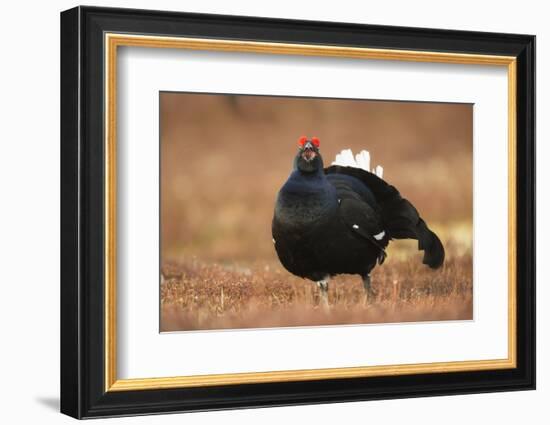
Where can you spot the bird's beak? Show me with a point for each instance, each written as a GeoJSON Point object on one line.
{"type": "Point", "coordinates": [308, 151]}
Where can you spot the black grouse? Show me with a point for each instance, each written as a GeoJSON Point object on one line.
{"type": "Point", "coordinates": [340, 219]}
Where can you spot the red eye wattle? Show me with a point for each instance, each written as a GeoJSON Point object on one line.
{"type": "Point", "coordinates": [302, 141]}
{"type": "Point", "coordinates": [316, 141]}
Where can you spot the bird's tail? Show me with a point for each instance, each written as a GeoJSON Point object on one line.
{"type": "Point", "coordinates": [361, 160]}
{"type": "Point", "coordinates": [434, 253]}
{"type": "Point", "coordinates": [401, 219]}
{"type": "Point", "coordinates": [404, 222]}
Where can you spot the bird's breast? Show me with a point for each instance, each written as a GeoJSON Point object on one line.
{"type": "Point", "coordinates": [298, 209]}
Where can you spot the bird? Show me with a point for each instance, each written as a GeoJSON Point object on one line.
{"type": "Point", "coordinates": [340, 219]}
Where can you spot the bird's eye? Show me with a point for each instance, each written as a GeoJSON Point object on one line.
{"type": "Point", "coordinates": [316, 142]}
{"type": "Point", "coordinates": [302, 141]}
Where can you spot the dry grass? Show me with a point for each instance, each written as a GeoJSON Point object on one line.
{"type": "Point", "coordinates": [197, 295]}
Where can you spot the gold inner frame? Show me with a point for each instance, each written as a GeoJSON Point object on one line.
{"type": "Point", "coordinates": [113, 41]}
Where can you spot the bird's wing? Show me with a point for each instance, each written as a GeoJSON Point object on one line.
{"type": "Point", "coordinates": [364, 221]}
{"type": "Point", "coordinates": [399, 217]}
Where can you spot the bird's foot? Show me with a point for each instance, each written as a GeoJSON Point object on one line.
{"type": "Point", "coordinates": [370, 293]}
{"type": "Point", "coordinates": [324, 302]}
{"type": "Point", "coordinates": [323, 291]}
{"type": "Point", "coordinates": [368, 298]}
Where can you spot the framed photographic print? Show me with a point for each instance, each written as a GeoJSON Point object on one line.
{"type": "Point", "coordinates": [261, 212]}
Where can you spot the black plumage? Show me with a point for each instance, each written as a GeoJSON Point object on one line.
{"type": "Point", "coordinates": [336, 220]}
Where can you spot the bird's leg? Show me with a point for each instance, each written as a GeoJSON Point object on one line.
{"type": "Point", "coordinates": [323, 286]}
{"type": "Point", "coordinates": [369, 292]}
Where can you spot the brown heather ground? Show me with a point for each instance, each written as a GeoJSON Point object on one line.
{"type": "Point", "coordinates": [222, 162]}
{"type": "Point", "coordinates": [197, 295]}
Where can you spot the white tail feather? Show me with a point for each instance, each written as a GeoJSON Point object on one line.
{"type": "Point", "coordinates": [362, 160]}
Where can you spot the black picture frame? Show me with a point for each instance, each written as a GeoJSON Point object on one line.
{"type": "Point", "coordinates": [83, 392]}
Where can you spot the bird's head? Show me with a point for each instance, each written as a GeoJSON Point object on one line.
{"type": "Point", "coordinates": [308, 159]}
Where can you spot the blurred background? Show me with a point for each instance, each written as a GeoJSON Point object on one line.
{"type": "Point", "coordinates": [224, 158]}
